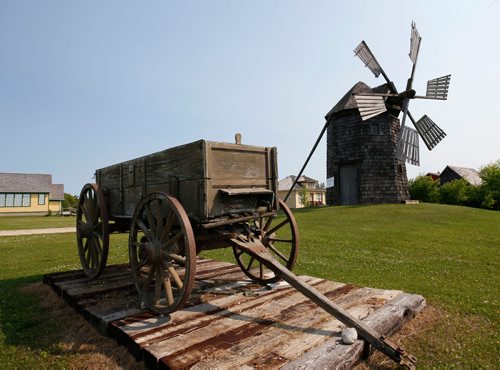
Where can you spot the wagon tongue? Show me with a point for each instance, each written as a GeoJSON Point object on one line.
{"type": "Point", "coordinates": [256, 249]}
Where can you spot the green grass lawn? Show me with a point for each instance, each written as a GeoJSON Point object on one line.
{"type": "Point", "coordinates": [35, 222]}
{"type": "Point", "coordinates": [448, 254]}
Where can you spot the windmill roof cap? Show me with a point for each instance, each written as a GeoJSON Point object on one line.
{"type": "Point", "coordinates": [348, 102]}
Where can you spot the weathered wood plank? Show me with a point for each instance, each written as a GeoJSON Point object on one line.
{"type": "Point", "coordinates": [229, 328]}
{"type": "Point", "coordinates": [386, 320]}
{"type": "Point", "coordinates": [231, 322]}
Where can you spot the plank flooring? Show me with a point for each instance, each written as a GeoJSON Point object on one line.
{"type": "Point", "coordinates": [230, 322]}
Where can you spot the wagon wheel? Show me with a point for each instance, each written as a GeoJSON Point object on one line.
{"type": "Point", "coordinates": [280, 236]}
{"type": "Point", "coordinates": [162, 252]}
{"type": "Point", "coordinates": [92, 230]}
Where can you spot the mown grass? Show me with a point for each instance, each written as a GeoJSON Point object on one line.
{"type": "Point", "coordinates": [34, 222]}
{"type": "Point", "coordinates": [448, 254]}
{"type": "Point", "coordinates": [28, 336]}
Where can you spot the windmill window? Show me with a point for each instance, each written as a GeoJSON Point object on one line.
{"type": "Point", "coordinates": [375, 129]}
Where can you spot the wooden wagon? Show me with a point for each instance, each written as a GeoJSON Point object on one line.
{"type": "Point", "coordinates": [178, 202]}
{"type": "Point", "coordinates": [181, 201]}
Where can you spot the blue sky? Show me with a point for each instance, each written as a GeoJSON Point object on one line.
{"type": "Point", "coordinates": [85, 84]}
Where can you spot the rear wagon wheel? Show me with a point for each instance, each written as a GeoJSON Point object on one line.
{"type": "Point", "coordinates": [92, 231]}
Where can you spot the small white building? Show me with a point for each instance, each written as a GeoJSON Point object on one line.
{"type": "Point", "coordinates": [306, 192]}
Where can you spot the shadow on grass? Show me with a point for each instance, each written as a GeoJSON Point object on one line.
{"type": "Point", "coordinates": [40, 329]}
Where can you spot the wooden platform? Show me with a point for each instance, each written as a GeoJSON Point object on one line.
{"type": "Point", "coordinates": [230, 322]}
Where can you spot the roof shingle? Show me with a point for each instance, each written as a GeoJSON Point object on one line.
{"type": "Point", "coordinates": [25, 183]}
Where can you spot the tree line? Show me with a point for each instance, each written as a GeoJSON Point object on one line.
{"type": "Point", "coordinates": [460, 192]}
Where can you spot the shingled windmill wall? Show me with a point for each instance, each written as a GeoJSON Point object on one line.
{"type": "Point", "coordinates": [368, 148]}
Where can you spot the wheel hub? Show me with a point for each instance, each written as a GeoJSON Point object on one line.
{"type": "Point", "coordinates": [86, 229]}
{"type": "Point", "coordinates": [154, 252]}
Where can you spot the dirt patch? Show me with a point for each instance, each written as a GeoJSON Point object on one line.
{"type": "Point", "coordinates": [76, 338]}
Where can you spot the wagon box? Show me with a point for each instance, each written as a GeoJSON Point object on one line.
{"type": "Point", "coordinates": [212, 180]}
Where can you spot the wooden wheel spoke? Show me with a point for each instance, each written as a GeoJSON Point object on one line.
{"type": "Point", "coordinates": [95, 255]}
{"type": "Point", "coordinates": [96, 214]}
{"type": "Point", "coordinates": [249, 266]}
{"type": "Point", "coordinates": [168, 226]}
{"type": "Point", "coordinates": [174, 239]}
{"type": "Point", "coordinates": [268, 223]}
{"type": "Point", "coordinates": [158, 279]}
{"type": "Point", "coordinates": [280, 240]}
{"type": "Point", "coordinates": [175, 257]}
{"type": "Point", "coordinates": [277, 227]}
{"type": "Point", "coordinates": [144, 229]}
{"type": "Point", "coordinates": [97, 243]}
{"type": "Point", "coordinates": [89, 205]}
{"type": "Point", "coordinates": [175, 276]}
{"type": "Point", "coordinates": [149, 278]}
{"type": "Point", "coordinates": [86, 252]}
{"type": "Point", "coordinates": [149, 215]}
{"type": "Point", "coordinates": [85, 211]}
{"type": "Point", "coordinates": [159, 220]}
{"type": "Point", "coordinates": [168, 291]}
{"type": "Point", "coordinates": [276, 251]}
{"type": "Point", "coordinates": [98, 235]}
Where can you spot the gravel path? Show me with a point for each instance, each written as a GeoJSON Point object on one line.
{"type": "Point", "coordinates": [57, 230]}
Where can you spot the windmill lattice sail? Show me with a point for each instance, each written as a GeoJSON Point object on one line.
{"type": "Point", "coordinates": [408, 148]}
{"type": "Point", "coordinates": [414, 43]}
{"type": "Point", "coordinates": [370, 106]}
{"type": "Point", "coordinates": [430, 132]}
{"type": "Point", "coordinates": [363, 52]}
{"type": "Point", "coordinates": [438, 88]}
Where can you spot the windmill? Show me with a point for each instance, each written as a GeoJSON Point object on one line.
{"type": "Point", "coordinates": [371, 104]}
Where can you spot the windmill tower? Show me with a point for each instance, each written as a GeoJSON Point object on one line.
{"type": "Point", "coordinates": [367, 145]}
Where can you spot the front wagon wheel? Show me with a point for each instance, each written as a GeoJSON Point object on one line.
{"type": "Point", "coordinates": [92, 230]}
{"type": "Point", "coordinates": [280, 235]}
{"type": "Point", "coordinates": [162, 253]}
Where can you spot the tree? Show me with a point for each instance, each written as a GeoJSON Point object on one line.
{"type": "Point", "coordinates": [304, 197]}
{"type": "Point", "coordinates": [455, 192]}
{"type": "Point", "coordinates": [490, 174]}
{"type": "Point", "coordinates": [70, 200]}
{"type": "Point", "coordinates": [424, 188]}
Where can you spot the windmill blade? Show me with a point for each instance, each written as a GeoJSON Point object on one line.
{"type": "Point", "coordinates": [415, 40]}
{"type": "Point", "coordinates": [370, 105]}
{"type": "Point", "coordinates": [430, 132]}
{"type": "Point", "coordinates": [364, 53]}
{"type": "Point", "coordinates": [438, 88]}
{"type": "Point", "coordinates": [407, 147]}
